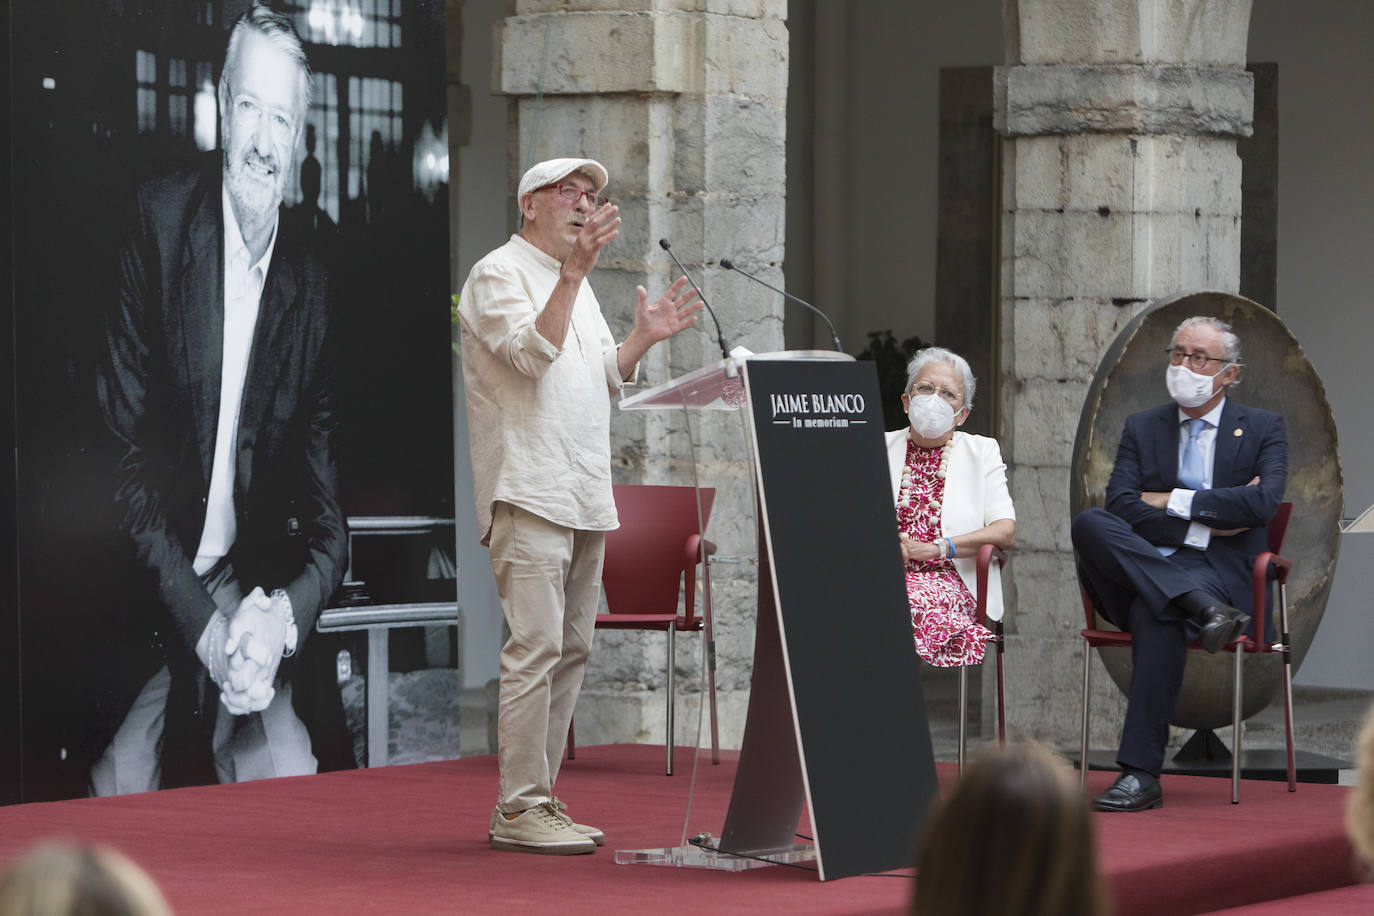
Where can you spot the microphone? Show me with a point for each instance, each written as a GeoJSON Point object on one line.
{"type": "Point", "coordinates": [720, 337]}
{"type": "Point", "coordinates": [834, 338]}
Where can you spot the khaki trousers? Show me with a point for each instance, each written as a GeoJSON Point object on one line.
{"type": "Point", "coordinates": [549, 580]}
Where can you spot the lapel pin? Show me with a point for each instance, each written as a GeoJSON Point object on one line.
{"type": "Point", "coordinates": [1236, 432]}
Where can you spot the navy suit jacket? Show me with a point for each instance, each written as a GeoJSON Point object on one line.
{"type": "Point", "coordinates": [1250, 443]}
{"type": "Point", "coordinates": [159, 392]}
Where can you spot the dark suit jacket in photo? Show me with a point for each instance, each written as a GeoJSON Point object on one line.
{"type": "Point", "coordinates": [159, 392]}
{"type": "Point", "coordinates": [1250, 443]}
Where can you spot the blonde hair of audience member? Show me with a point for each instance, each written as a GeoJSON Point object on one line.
{"type": "Point", "coordinates": [78, 879]}
{"type": "Point", "coordinates": [1014, 838]}
{"type": "Point", "coordinates": [1359, 810]}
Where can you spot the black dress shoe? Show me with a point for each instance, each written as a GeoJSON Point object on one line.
{"type": "Point", "coordinates": [1127, 794]}
{"type": "Point", "coordinates": [1221, 624]}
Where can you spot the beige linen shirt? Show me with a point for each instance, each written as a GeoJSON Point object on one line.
{"type": "Point", "coordinates": [539, 417]}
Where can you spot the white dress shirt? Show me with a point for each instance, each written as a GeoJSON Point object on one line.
{"type": "Point", "coordinates": [539, 416]}
{"type": "Point", "coordinates": [1180, 500]}
{"type": "Point", "coordinates": [243, 283]}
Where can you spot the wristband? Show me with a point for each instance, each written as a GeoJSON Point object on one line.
{"type": "Point", "coordinates": [280, 597]}
{"type": "Point", "coordinates": [952, 551]}
{"type": "Point", "coordinates": [214, 650]}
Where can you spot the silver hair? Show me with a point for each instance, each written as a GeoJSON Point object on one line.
{"type": "Point", "coordinates": [930, 355]}
{"type": "Point", "coordinates": [277, 29]}
{"type": "Point", "coordinates": [1229, 341]}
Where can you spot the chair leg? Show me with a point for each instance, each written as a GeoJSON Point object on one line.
{"type": "Point", "coordinates": [708, 633]}
{"type": "Point", "coordinates": [1083, 749]}
{"type": "Point", "coordinates": [715, 722]}
{"type": "Point", "coordinates": [572, 739]}
{"type": "Point", "coordinates": [963, 702]}
{"type": "Point", "coordinates": [1288, 689]}
{"type": "Point", "coordinates": [1001, 692]}
{"type": "Point", "coordinates": [1236, 740]}
{"type": "Point", "coordinates": [672, 657]}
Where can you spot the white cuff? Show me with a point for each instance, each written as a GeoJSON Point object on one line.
{"type": "Point", "coordinates": [1180, 503]}
{"type": "Point", "coordinates": [1199, 536]}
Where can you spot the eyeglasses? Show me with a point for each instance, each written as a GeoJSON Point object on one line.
{"type": "Point", "coordinates": [571, 193]}
{"type": "Point", "coordinates": [248, 112]}
{"type": "Point", "coordinates": [1196, 361]}
{"type": "Point", "coordinates": [950, 396]}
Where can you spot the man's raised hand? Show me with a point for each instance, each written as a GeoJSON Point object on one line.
{"type": "Point", "coordinates": [600, 229]}
{"type": "Point", "coordinates": [668, 314]}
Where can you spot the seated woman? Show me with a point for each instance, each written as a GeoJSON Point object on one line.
{"type": "Point", "coordinates": [951, 493]}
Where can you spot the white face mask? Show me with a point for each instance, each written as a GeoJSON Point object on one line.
{"type": "Point", "coordinates": [1188, 388]}
{"type": "Point", "coordinates": [931, 416]}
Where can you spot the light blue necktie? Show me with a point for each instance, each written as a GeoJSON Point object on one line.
{"type": "Point", "coordinates": [1191, 473]}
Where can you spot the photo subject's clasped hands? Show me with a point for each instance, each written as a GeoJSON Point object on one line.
{"type": "Point", "coordinates": [254, 644]}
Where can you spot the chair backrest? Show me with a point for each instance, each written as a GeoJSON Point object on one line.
{"type": "Point", "coordinates": [647, 555]}
{"type": "Point", "coordinates": [1278, 527]}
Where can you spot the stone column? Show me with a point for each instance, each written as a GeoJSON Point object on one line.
{"type": "Point", "coordinates": [1120, 185]}
{"type": "Point", "coordinates": [684, 102]}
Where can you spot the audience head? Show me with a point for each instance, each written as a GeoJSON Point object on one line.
{"type": "Point", "coordinates": [1013, 838]}
{"type": "Point", "coordinates": [938, 394]}
{"type": "Point", "coordinates": [78, 879]}
{"type": "Point", "coordinates": [1359, 811]}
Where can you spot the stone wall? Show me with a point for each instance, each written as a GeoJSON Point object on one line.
{"type": "Point", "coordinates": [1121, 185]}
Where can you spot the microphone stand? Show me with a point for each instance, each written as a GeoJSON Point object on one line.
{"type": "Point", "coordinates": [834, 338]}
{"type": "Point", "coordinates": [730, 370]}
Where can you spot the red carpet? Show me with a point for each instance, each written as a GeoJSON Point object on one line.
{"type": "Point", "coordinates": [412, 839]}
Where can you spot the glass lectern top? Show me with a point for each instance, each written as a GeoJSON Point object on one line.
{"type": "Point", "coordinates": [713, 387]}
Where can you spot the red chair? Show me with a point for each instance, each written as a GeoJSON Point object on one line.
{"type": "Point", "coordinates": [986, 554]}
{"type": "Point", "coordinates": [1269, 567]}
{"type": "Point", "coordinates": [651, 559]}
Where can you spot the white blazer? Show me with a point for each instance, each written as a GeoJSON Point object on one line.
{"type": "Point", "coordinates": [975, 496]}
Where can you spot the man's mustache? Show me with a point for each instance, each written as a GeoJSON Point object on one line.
{"type": "Point", "coordinates": [254, 158]}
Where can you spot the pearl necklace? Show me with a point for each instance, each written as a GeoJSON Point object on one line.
{"type": "Point", "coordinates": [904, 493]}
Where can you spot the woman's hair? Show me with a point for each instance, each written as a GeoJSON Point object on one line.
{"type": "Point", "coordinates": [78, 879]}
{"type": "Point", "coordinates": [930, 355]}
{"type": "Point", "coordinates": [1013, 839]}
{"type": "Point", "coordinates": [1359, 807]}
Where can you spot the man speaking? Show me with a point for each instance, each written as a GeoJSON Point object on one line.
{"type": "Point", "coordinates": [539, 366]}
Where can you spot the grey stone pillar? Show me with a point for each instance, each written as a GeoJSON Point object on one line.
{"type": "Point", "coordinates": [1120, 185]}
{"type": "Point", "coordinates": [684, 102]}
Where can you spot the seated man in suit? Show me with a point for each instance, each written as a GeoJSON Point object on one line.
{"type": "Point", "coordinates": [1192, 491]}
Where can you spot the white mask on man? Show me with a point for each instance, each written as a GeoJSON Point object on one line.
{"type": "Point", "coordinates": [931, 416]}
{"type": "Point", "coordinates": [1188, 388]}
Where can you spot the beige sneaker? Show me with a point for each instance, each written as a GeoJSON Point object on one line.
{"type": "Point", "coordinates": [592, 833]}
{"type": "Point", "coordinates": [541, 829]}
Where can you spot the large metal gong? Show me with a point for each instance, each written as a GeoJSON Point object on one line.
{"type": "Point", "coordinates": [1277, 376]}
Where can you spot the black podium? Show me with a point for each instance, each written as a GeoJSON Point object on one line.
{"type": "Point", "coordinates": [836, 716]}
